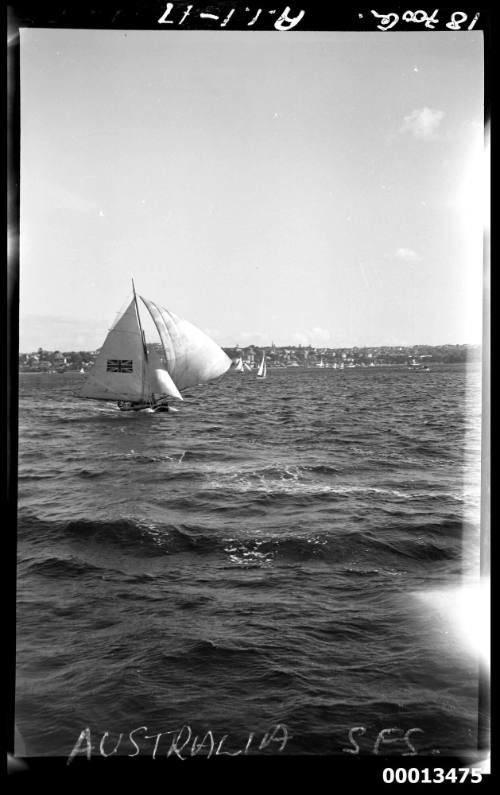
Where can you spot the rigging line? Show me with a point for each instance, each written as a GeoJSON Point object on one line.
{"type": "Point", "coordinates": [143, 338]}
{"type": "Point", "coordinates": [140, 324]}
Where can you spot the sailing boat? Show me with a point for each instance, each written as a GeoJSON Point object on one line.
{"type": "Point", "coordinates": [239, 366]}
{"type": "Point", "coordinates": [261, 372]}
{"type": "Point", "coordinates": [418, 367]}
{"type": "Point", "coordinates": [139, 378]}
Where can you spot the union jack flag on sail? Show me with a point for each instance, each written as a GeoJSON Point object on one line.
{"type": "Point", "coordinates": [119, 366]}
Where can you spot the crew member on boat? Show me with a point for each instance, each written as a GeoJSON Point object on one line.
{"type": "Point", "coordinates": [128, 405]}
{"type": "Point", "coordinates": [162, 404]}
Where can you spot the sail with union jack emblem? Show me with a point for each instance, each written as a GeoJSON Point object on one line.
{"type": "Point", "coordinates": [136, 376]}
{"type": "Point", "coordinates": [119, 370]}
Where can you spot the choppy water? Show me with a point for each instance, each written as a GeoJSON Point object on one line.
{"type": "Point", "coordinates": [274, 553]}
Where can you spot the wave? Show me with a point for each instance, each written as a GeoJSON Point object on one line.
{"type": "Point", "coordinates": [375, 548]}
{"type": "Point", "coordinates": [91, 473]}
{"type": "Point", "coordinates": [276, 479]}
{"type": "Point", "coordinates": [61, 567]}
{"type": "Point", "coordinates": [217, 651]}
{"type": "Point", "coordinates": [212, 476]}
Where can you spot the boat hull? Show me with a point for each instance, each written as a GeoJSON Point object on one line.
{"type": "Point", "coordinates": [150, 408]}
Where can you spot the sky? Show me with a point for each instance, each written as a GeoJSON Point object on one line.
{"type": "Point", "coordinates": [296, 188]}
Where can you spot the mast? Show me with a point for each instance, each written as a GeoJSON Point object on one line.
{"type": "Point", "coordinates": [143, 338]}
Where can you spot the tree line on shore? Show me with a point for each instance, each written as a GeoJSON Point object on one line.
{"type": "Point", "coordinates": [61, 361]}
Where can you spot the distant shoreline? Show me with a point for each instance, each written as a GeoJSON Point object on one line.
{"type": "Point", "coordinates": [284, 357]}
{"type": "Point", "coordinates": [301, 367]}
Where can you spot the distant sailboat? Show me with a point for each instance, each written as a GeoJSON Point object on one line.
{"type": "Point", "coordinates": [321, 363]}
{"type": "Point", "coordinates": [262, 371]}
{"type": "Point", "coordinates": [138, 378]}
{"type": "Point", "coordinates": [239, 366]}
{"type": "Point", "coordinates": [418, 367]}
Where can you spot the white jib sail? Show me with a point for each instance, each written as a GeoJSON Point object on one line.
{"type": "Point", "coordinates": [191, 356]}
{"type": "Point", "coordinates": [119, 370]}
{"type": "Point", "coordinates": [159, 379]}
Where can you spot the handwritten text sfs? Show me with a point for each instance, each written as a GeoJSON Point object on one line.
{"type": "Point", "coordinates": [394, 738]}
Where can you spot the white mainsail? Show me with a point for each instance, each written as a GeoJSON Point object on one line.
{"type": "Point", "coordinates": [119, 372]}
{"type": "Point", "coordinates": [261, 373]}
{"type": "Point", "coordinates": [191, 356]}
{"type": "Point", "coordinates": [239, 366]}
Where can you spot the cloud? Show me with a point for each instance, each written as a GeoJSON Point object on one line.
{"type": "Point", "coordinates": [248, 337]}
{"type": "Point", "coordinates": [214, 333]}
{"type": "Point", "coordinates": [408, 255]}
{"type": "Point", "coordinates": [56, 196]}
{"type": "Point", "coordinates": [474, 124]}
{"type": "Point", "coordinates": [423, 123]}
{"type": "Point", "coordinates": [316, 336]}
{"type": "Point", "coordinates": [55, 332]}
{"type": "Point", "coordinates": [70, 200]}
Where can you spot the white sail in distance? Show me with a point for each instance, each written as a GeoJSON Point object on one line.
{"type": "Point", "coordinates": [261, 372]}
{"type": "Point", "coordinates": [191, 356]}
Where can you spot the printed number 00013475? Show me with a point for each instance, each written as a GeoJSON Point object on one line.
{"type": "Point", "coordinates": [430, 775]}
